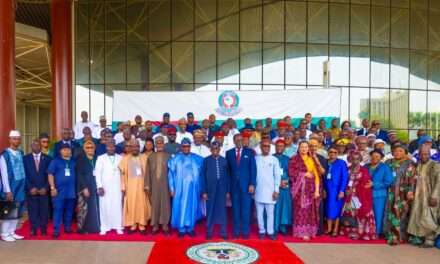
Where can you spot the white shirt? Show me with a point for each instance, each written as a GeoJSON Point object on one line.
{"type": "Point", "coordinates": [118, 138]}
{"type": "Point", "coordinates": [79, 126]}
{"type": "Point", "coordinates": [201, 150]}
{"type": "Point", "coordinates": [268, 178]}
{"type": "Point", "coordinates": [180, 136]}
{"type": "Point", "coordinates": [257, 150]}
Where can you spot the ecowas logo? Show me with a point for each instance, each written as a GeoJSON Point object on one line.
{"type": "Point", "coordinates": [222, 253]}
{"type": "Point", "coordinates": [228, 102]}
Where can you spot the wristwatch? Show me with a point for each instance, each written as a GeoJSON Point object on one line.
{"type": "Point", "coordinates": [52, 188]}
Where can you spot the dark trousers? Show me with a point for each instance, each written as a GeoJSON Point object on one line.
{"type": "Point", "coordinates": [62, 212]}
{"type": "Point", "coordinates": [38, 209]}
{"type": "Point", "coordinates": [241, 212]}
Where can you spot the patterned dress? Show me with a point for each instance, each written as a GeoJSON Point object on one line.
{"type": "Point", "coordinates": [398, 204]}
{"type": "Point", "coordinates": [357, 216]}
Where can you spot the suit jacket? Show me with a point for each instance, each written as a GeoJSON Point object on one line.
{"type": "Point", "coordinates": [362, 132]}
{"type": "Point", "coordinates": [382, 135]}
{"type": "Point", "coordinates": [243, 174]}
{"type": "Point", "coordinates": [36, 179]}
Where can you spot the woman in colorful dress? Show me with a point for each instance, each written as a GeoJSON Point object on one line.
{"type": "Point", "coordinates": [358, 217]}
{"type": "Point", "coordinates": [305, 173]}
{"type": "Point", "coordinates": [400, 195]}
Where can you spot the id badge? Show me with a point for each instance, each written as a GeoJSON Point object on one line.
{"type": "Point", "coordinates": [281, 171]}
{"type": "Point", "coordinates": [138, 171]}
{"type": "Point", "coordinates": [394, 174]}
{"type": "Point", "coordinates": [350, 183]}
{"type": "Point", "coordinates": [329, 176]}
{"type": "Point", "coordinates": [67, 172]}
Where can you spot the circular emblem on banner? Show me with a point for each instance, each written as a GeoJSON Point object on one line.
{"type": "Point", "coordinates": [222, 253]}
{"type": "Point", "coordinates": [228, 103]}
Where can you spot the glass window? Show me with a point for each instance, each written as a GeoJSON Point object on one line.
{"type": "Point", "coordinates": [296, 13]}
{"type": "Point", "coordinates": [399, 28]}
{"type": "Point", "coordinates": [419, 4]}
{"type": "Point", "coordinates": [182, 87]}
{"type": "Point", "coordinates": [339, 65]}
{"type": "Point", "coordinates": [96, 62]}
{"type": "Point", "coordinates": [82, 63]}
{"type": "Point", "coordinates": [398, 109]}
{"type": "Point", "coordinates": [380, 67]}
{"type": "Point", "coordinates": [159, 24]}
{"type": "Point", "coordinates": [380, 26]}
{"type": "Point", "coordinates": [250, 20]}
{"type": "Point", "coordinates": [434, 110]}
{"type": "Point", "coordinates": [400, 3]}
{"type": "Point", "coordinates": [205, 87]}
{"type": "Point", "coordinates": [359, 105]}
{"type": "Point", "coordinates": [419, 29]}
{"type": "Point", "coordinates": [273, 21]}
{"type": "Point", "coordinates": [228, 20]}
{"type": "Point", "coordinates": [296, 64]}
{"type": "Point", "coordinates": [81, 22]}
{"type": "Point", "coordinates": [97, 21]}
{"type": "Point", "coordinates": [399, 68]}
{"type": "Point", "coordinates": [381, 2]}
{"type": "Point", "coordinates": [228, 62]}
{"type": "Point", "coordinates": [317, 56]}
{"type": "Point", "coordinates": [419, 71]}
{"type": "Point", "coordinates": [115, 24]}
{"type": "Point", "coordinates": [363, 2]}
{"type": "Point", "coordinates": [417, 109]}
{"type": "Point", "coordinates": [115, 67]}
{"type": "Point", "coordinates": [345, 104]}
{"type": "Point", "coordinates": [205, 20]}
{"type": "Point", "coordinates": [182, 62]}
{"type": "Point", "coordinates": [273, 64]}
{"type": "Point", "coordinates": [339, 24]}
{"type": "Point", "coordinates": [137, 62]}
{"type": "Point", "coordinates": [108, 101]}
{"type": "Point", "coordinates": [360, 66]}
{"type": "Point", "coordinates": [250, 87]}
{"type": "Point", "coordinates": [182, 22]}
{"type": "Point", "coordinates": [434, 29]}
{"type": "Point", "coordinates": [380, 106]}
{"type": "Point", "coordinates": [360, 25]}
{"type": "Point", "coordinates": [318, 22]}
{"type": "Point", "coordinates": [159, 62]}
{"type": "Point", "coordinates": [251, 64]}
{"type": "Point", "coordinates": [96, 102]}
{"type": "Point", "coordinates": [205, 67]}
{"type": "Point", "coordinates": [137, 21]}
{"type": "Point", "coordinates": [434, 71]}
{"type": "Point", "coordinates": [82, 100]}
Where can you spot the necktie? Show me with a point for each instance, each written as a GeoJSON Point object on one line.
{"type": "Point", "coordinates": [238, 156]}
{"type": "Point", "coordinates": [37, 162]}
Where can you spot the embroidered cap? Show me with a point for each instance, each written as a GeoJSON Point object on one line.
{"type": "Point", "coordinates": [14, 133]}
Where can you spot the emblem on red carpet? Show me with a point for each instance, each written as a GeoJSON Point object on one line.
{"type": "Point", "coordinates": [222, 253]}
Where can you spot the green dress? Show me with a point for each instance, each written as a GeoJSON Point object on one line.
{"type": "Point", "coordinates": [398, 204]}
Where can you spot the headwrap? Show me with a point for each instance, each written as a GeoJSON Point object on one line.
{"type": "Point", "coordinates": [282, 124]}
{"type": "Point", "coordinates": [424, 139]}
{"type": "Point", "coordinates": [246, 134]}
{"type": "Point", "coordinates": [280, 141]}
{"type": "Point", "coordinates": [342, 142]}
{"type": "Point", "coordinates": [171, 130]}
{"type": "Point", "coordinates": [219, 134]}
{"type": "Point", "coordinates": [186, 142]}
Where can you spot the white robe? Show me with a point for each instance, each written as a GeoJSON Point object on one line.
{"type": "Point", "coordinates": [268, 178]}
{"type": "Point", "coordinates": [180, 136]}
{"type": "Point", "coordinates": [201, 150]}
{"type": "Point", "coordinates": [108, 177]}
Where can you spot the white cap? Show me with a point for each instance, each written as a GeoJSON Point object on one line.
{"type": "Point", "coordinates": [377, 141]}
{"type": "Point", "coordinates": [14, 133]}
{"type": "Point", "coordinates": [102, 118]}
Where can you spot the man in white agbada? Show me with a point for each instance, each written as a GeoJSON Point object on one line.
{"type": "Point", "coordinates": [268, 188]}
{"type": "Point", "coordinates": [182, 133]}
{"type": "Point", "coordinates": [79, 126]}
{"type": "Point", "coordinates": [197, 146]}
{"type": "Point", "coordinates": [108, 182]}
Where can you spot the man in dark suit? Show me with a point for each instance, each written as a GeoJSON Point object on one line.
{"type": "Point", "coordinates": [37, 187]}
{"type": "Point", "coordinates": [243, 172]}
{"type": "Point", "coordinates": [67, 138]}
{"type": "Point", "coordinates": [380, 133]}
{"type": "Point", "coordinates": [310, 125]}
{"type": "Point", "coordinates": [365, 127]}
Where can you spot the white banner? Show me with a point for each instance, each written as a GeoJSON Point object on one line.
{"type": "Point", "coordinates": [225, 104]}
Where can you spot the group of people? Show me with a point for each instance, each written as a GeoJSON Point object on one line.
{"type": "Point", "coordinates": [310, 179]}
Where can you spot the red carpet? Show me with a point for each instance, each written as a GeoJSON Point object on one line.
{"type": "Point", "coordinates": [200, 231]}
{"type": "Point", "coordinates": [174, 251]}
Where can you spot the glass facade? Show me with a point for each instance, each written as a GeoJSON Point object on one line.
{"type": "Point", "coordinates": [384, 55]}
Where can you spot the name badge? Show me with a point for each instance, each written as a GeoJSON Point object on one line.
{"type": "Point", "coordinates": [394, 174]}
{"type": "Point", "coordinates": [67, 172]}
{"type": "Point", "coordinates": [350, 183]}
{"type": "Point", "coordinates": [281, 171]}
{"type": "Point", "coordinates": [138, 171]}
{"type": "Point", "coordinates": [329, 176]}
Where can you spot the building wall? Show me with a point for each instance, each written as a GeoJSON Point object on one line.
{"type": "Point", "coordinates": [383, 54]}
{"type": "Point", "coordinates": [31, 120]}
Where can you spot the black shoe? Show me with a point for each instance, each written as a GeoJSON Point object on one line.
{"type": "Point", "coordinates": [166, 232]}
{"type": "Point", "coordinates": [261, 236]}
{"type": "Point", "coordinates": [130, 231]}
{"type": "Point", "coordinates": [235, 236]}
{"type": "Point", "coordinates": [192, 233]}
{"type": "Point", "coordinates": [224, 237]}
{"type": "Point", "coordinates": [33, 232]}
{"type": "Point", "coordinates": [155, 231]}
{"type": "Point", "coordinates": [68, 231]}
{"type": "Point", "coordinates": [272, 237]}
{"type": "Point", "coordinates": [245, 236]}
{"type": "Point", "coordinates": [143, 232]}
{"type": "Point", "coordinates": [44, 232]}
{"type": "Point", "coordinates": [208, 236]}
{"type": "Point", "coordinates": [56, 235]}
{"type": "Point", "coordinates": [80, 231]}
{"type": "Point", "coordinates": [181, 234]}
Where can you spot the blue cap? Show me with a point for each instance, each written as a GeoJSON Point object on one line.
{"type": "Point", "coordinates": [190, 114]}
{"type": "Point", "coordinates": [215, 144]}
{"type": "Point", "coordinates": [185, 142]}
{"type": "Point", "coordinates": [166, 114]}
{"type": "Point", "coordinates": [64, 145]}
{"type": "Point", "coordinates": [424, 139]}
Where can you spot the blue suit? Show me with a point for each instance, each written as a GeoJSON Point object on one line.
{"type": "Point", "coordinates": [382, 178]}
{"type": "Point", "coordinates": [382, 135]}
{"type": "Point", "coordinates": [336, 181]}
{"type": "Point", "coordinates": [38, 205]}
{"type": "Point", "coordinates": [243, 174]}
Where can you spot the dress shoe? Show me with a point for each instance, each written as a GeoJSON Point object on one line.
{"type": "Point", "coordinates": [44, 232]}
{"type": "Point", "coordinates": [56, 235]}
{"type": "Point", "coordinates": [208, 236]}
{"type": "Point", "coordinates": [8, 238]}
{"type": "Point", "coordinates": [245, 236]}
{"type": "Point", "coordinates": [33, 232]}
{"type": "Point", "coordinates": [16, 237]}
{"type": "Point", "coordinates": [119, 232]}
{"type": "Point", "coordinates": [143, 232]}
{"type": "Point", "coordinates": [192, 233]}
{"type": "Point", "coordinates": [224, 237]}
{"type": "Point", "coordinates": [261, 236]}
{"type": "Point", "coordinates": [68, 231]}
{"type": "Point", "coordinates": [272, 237]}
{"type": "Point", "coordinates": [181, 234]}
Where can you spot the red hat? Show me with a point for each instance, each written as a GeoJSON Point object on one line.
{"type": "Point", "coordinates": [280, 141]}
{"type": "Point", "coordinates": [282, 124]}
{"type": "Point", "coordinates": [171, 130]}
{"type": "Point", "coordinates": [219, 134]}
{"type": "Point", "coordinates": [246, 134]}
